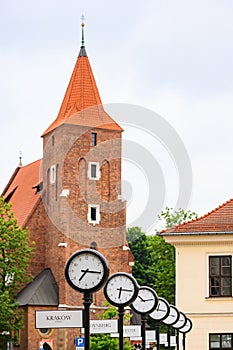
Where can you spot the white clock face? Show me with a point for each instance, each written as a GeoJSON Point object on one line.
{"type": "Point", "coordinates": [86, 270]}
{"type": "Point", "coordinates": [187, 327]}
{"type": "Point", "coordinates": [172, 317]}
{"type": "Point", "coordinates": [121, 289]}
{"type": "Point", "coordinates": [146, 300]}
{"type": "Point", "coordinates": [161, 311]}
{"type": "Point", "coordinates": [181, 321]}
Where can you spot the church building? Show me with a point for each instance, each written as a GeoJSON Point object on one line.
{"type": "Point", "coordinates": [69, 200]}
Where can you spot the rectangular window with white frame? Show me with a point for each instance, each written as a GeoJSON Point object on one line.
{"type": "Point", "coordinates": [93, 171]}
{"type": "Point", "coordinates": [220, 275]}
{"type": "Point", "coordinates": [93, 215]}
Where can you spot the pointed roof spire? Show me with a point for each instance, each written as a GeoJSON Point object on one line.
{"type": "Point", "coordinates": [82, 94]}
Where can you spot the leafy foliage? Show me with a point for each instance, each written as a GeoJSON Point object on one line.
{"type": "Point", "coordinates": [105, 341]}
{"type": "Point", "coordinates": [162, 270]}
{"type": "Point", "coordinates": [173, 218]}
{"type": "Point", "coordinates": [138, 243]}
{"type": "Point", "coordinates": [154, 263]}
{"type": "Point", "coordinates": [15, 253]}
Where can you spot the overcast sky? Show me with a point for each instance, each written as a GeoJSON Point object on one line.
{"type": "Point", "coordinates": [171, 56]}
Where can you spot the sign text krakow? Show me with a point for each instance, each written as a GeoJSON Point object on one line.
{"type": "Point", "coordinates": [59, 319]}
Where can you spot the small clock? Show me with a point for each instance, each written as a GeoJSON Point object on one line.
{"type": "Point", "coordinates": [121, 289]}
{"type": "Point", "coordinates": [86, 270]}
{"type": "Point", "coordinates": [181, 321]}
{"type": "Point", "coordinates": [161, 311]}
{"type": "Point", "coordinates": [146, 300]}
{"type": "Point", "coordinates": [172, 317]}
{"type": "Point", "coordinates": [187, 327]}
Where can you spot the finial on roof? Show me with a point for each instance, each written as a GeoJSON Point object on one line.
{"type": "Point", "coordinates": [20, 159]}
{"type": "Point", "coordinates": [82, 25]}
{"type": "Point", "coordinates": [82, 52]}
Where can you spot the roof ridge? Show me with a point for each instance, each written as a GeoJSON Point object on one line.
{"type": "Point", "coordinates": [29, 164]}
{"type": "Point", "coordinates": [199, 218]}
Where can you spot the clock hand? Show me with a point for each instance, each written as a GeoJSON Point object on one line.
{"type": "Point", "coordinates": [120, 290]}
{"type": "Point", "coordinates": [92, 271]}
{"type": "Point", "coordinates": [126, 290]}
{"type": "Point", "coordinates": [148, 299]}
{"type": "Point", "coordinates": [141, 298]}
{"type": "Point", "coordinates": [84, 273]}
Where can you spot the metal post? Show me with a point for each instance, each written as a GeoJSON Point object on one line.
{"type": "Point", "coordinates": [87, 300]}
{"type": "Point", "coordinates": [143, 331]}
{"type": "Point", "coordinates": [157, 330]}
{"type": "Point", "coordinates": [184, 334]}
{"type": "Point", "coordinates": [169, 337]}
{"type": "Point", "coordinates": [120, 327]}
{"type": "Point", "coordinates": [177, 340]}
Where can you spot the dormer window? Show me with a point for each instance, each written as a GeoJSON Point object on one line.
{"type": "Point", "coordinates": [93, 171]}
{"type": "Point", "coordinates": [53, 174]}
{"type": "Point", "coordinates": [93, 138]}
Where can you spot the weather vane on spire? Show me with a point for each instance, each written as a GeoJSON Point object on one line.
{"type": "Point", "coordinates": [20, 158]}
{"type": "Point", "coordinates": [82, 24]}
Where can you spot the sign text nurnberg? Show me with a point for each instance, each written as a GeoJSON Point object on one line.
{"type": "Point", "coordinates": [59, 319]}
{"type": "Point", "coordinates": [102, 326]}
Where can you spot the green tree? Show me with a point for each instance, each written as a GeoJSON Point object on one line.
{"type": "Point", "coordinates": [105, 341]}
{"type": "Point", "coordinates": [15, 254]}
{"type": "Point", "coordinates": [154, 263]}
{"type": "Point", "coordinates": [138, 243]}
{"type": "Point", "coordinates": [171, 218]}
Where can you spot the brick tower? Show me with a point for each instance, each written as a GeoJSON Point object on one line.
{"type": "Point", "coordinates": [72, 200]}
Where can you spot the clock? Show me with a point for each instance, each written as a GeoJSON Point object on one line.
{"type": "Point", "coordinates": [181, 321]}
{"type": "Point", "coordinates": [121, 289]}
{"type": "Point", "coordinates": [146, 300]}
{"type": "Point", "coordinates": [161, 311]}
{"type": "Point", "coordinates": [187, 327]}
{"type": "Point", "coordinates": [86, 270]}
{"type": "Point", "coordinates": [172, 317]}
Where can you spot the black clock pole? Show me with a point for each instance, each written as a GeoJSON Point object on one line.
{"type": "Point", "coordinates": [157, 331]}
{"type": "Point", "coordinates": [143, 331]}
{"type": "Point", "coordinates": [184, 335]}
{"type": "Point", "coordinates": [120, 327]}
{"type": "Point", "coordinates": [87, 300]}
{"type": "Point", "coordinates": [168, 337]}
{"type": "Point", "coordinates": [177, 339]}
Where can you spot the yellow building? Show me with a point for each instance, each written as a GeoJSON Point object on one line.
{"type": "Point", "coordinates": [204, 249]}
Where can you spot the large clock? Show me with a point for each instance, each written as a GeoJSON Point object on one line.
{"type": "Point", "coordinates": [161, 311]}
{"type": "Point", "coordinates": [121, 289]}
{"type": "Point", "coordinates": [86, 270]}
{"type": "Point", "coordinates": [146, 300]}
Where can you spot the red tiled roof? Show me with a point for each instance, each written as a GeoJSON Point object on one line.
{"type": "Point", "coordinates": [20, 189]}
{"type": "Point", "coordinates": [218, 220]}
{"type": "Point", "coordinates": [81, 94]}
